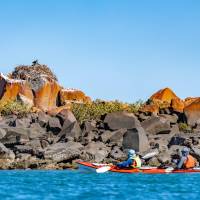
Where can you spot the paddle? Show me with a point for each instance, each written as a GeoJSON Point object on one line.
{"type": "Point", "coordinates": [107, 168]}
{"type": "Point", "coordinates": [103, 169]}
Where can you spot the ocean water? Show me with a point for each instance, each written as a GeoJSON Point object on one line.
{"type": "Point", "coordinates": [84, 185]}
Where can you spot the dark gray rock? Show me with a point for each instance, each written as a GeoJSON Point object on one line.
{"type": "Point", "coordinates": [117, 154]}
{"type": "Point", "coordinates": [66, 117]}
{"type": "Point", "coordinates": [120, 120]}
{"type": "Point", "coordinates": [22, 123]}
{"type": "Point", "coordinates": [54, 125]}
{"type": "Point", "coordinates": [113, 138]}
{"type": "Point", "coordinates": [105, 136]}
{"type": "Point", "coordinates": [89, 126]}
{"type": "Point", "coordinates": [196, 152]}
{"type": "Point", "coordinates": [73, 131]}
{"type": "Point", "coordinates": [97, 151]}
{"type": "Point", "coordinates": [63, 151]}
{"type": "Point", "coordinates": [15, 136]}
{"type": "Point", "coordinates": [8, 121]}
{"type": "Point", "coordinates": [43, 119]}
{"type": "Point", "coordinates": [171, 119]}
{"type": "Point", "coordinates": [156, 125]}
{"type": "Point", "coordinates": [23, 149]}
{"type": "Point", "coordinates": [6, 154]}
{"type": "Point", "coordinates": [136, 139]}
{"type": "Point", "coordinates": [69, 119]}
{"type": "Point", "coordinates": [89, 137]}
{"type": "Point", "coordinates": [180, 140]}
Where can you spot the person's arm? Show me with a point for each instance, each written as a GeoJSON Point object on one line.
{"type": "Point", "coordinates": [181, 162]}
{"type": "Point", "coordinates": [124, 164]}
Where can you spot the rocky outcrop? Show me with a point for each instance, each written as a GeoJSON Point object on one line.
{"type": "Point", "coordinates": [37, 86]}
{"type": "Point", "coordinates": [164, 98]}
{"type": "Point", "coordinates": [41, 141]}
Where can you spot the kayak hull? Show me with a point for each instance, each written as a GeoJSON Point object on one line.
{"type": "Point", "coordinates": [144, 171]}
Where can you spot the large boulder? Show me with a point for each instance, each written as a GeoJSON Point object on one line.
{"type": "Point", "coordinates": [42, 82]}
{"type": "Point", "coordinates": [117, 154]}
{"type": "Point", "coordinates": [192, 112]}
{"type": "Point", "coordinates": [97, 151]}
{"type": "Point", "coordinates": [54, 125]}
{"type": "Point", "coordinates": [2, 133]}
{"type": "Point", "coordinates": [164, 95]}
{"type": "Point", "coordinates": [163, 99]}
{"type": "Point", "coordinates": [73, 131]}
{"type": "Point", "coordinates": [113, 137]}
{"type": "Point", "coordinates": [156, 125]}
{"type": "Point", "coordinates": [63, 151]}
{"type": "Point", "coordinates": [118, 120]}
{"type": "Point", "coordinates": [22, 122]}
{"type": "Point", "coordinates": [136, 139]}
{"type": "Point", "coordinates": [21, 135]}
{"type": "Point", "coordinates": [6, 155]}
{"type": "Point", "coordinates": [66, 118]}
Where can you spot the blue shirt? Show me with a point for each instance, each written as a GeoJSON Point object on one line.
{"type": "Point", "coordinates": [127, 163]}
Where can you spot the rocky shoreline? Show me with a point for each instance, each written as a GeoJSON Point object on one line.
{"type": "Point", "coordinates": [41, 141]}
{"type": "Point", "coordinates": [43, 133]}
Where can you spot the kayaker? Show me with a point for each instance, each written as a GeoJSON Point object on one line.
{"type": "Point", "coordinates": [186, 161]}
{"type": "Point", "coordinates": [133, 161]}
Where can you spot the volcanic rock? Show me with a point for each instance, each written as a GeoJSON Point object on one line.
{"type": "Point", "coordinates": [63, 151]}
{"type": "Point", "coordinates": [156, 125]}
{"type": "Point", "coordinates": [120, 120]}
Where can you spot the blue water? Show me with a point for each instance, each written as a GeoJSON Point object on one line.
{"type": "Point", "coordinates": [86, 185]}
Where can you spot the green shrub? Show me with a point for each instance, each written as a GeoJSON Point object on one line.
{"type": "Point", "coordinates": [14, 107]}
{"type": "Point", "coordinates": [184, 127]}
{"type": "Point", "coordinates": [96, 109]}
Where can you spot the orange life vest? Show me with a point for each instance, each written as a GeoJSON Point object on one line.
{"type": "Point", "coordinates": [190, 162]}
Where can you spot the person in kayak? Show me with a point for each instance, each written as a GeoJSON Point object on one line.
{"type": "Point", "coordinates": [133, 161]}
{"type": "Point", "coordinates": [186, 161]}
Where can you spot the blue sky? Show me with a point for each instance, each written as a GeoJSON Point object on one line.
{"type": "Point", "coordinates": [110, 49]}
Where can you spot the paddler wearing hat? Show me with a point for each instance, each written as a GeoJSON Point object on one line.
{"type": "Point", "coordinates": [186, 161]}
{"type": "Point", "coordinates": [133, 161]}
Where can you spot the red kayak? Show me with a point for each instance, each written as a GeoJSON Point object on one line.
{"type": "Point", "coordinates": [145, 170]}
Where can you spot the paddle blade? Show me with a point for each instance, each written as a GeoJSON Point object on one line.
{"type": "Point", "coordinates": [103, 169]}
{"type": "Point", "coordinates": [150, 155]}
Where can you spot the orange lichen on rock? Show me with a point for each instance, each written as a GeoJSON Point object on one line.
{"type": "Point", "coordinates": [164, 95]}
{"type": "Point", "coordinates": [166, 98]}
{"type": "Point", "coordinates": [177, 105]}
{"type": "Point", "coordinates": [46, 96]}
{"type": "Point", "coordinates": [192, 112]}
{"type": "Point", "coordinates": [59, 109]}
{"type": "Point", "coordinates": [10, 89]}
{"type": "Point", "coordinates": [73, 95]}
{"type": "Point", "coordinates": [153, 108]}
{"type": "Point", "coordinates": [190, 100]}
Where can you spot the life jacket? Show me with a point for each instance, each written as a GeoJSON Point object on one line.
{"type": "Point", "coordinates": [190, 162]}
{"type": "Point", "coordinates": [136, 162]}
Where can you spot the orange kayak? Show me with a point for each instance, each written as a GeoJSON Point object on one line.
{"type": "Point", "coordinates": [144, 170]}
